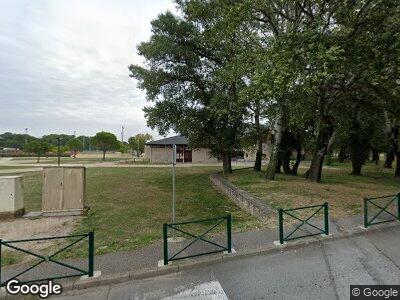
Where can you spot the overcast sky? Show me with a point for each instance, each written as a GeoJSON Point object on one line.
{"type": "Point", "coordinates": [64, 65]}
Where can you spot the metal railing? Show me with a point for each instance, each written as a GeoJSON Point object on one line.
{"type": "Point", "coordinates": [50, 258]}
{"type": "Point", "coordinates": [318, 208]}
{"type": "Point", "coordinates": [383, 208]}
{"type": "Point", "coordinates": [201, 237]}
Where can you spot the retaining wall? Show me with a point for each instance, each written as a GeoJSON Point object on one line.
{"type": "Point", "coordinates": [242, 198]}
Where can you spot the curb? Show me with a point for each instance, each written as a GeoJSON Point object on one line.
{"type": "Point", "coordinates": [176, 268]}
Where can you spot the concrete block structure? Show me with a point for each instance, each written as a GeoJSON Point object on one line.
{"type": "Point", "coordinates": [64, 190]}
{"type": "Point", "coordinates": [11, 196]}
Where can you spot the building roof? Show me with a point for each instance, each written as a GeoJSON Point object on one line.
{"type": "Point", "coordinates": [173, 140]}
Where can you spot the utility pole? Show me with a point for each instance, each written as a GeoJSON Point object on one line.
{"type": "Point", "coordinates": [74, 133]}
{"type": "Point", "coordinates": [26, 138]}
{"type": "Point", "coordinates": [122, 133]}
{"type": "Point", "coordinates": [59, 150]}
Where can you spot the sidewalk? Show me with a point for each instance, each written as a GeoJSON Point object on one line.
{"type": "Point", "coordinates": [148, 258]}
{"type": "Point", "coordinates": [315, 270]}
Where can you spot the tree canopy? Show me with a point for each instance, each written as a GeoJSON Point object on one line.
{"type": "Point", "coordinates": [320, 76]}
{"type": "Point", "coordinates": [38, 147]}
{"type": "Point", "coordinates": [75, 145]}
{"type": "Point", "coordinates": [105, 141]}
{"type": "Point", "coordinates": [137, 142]}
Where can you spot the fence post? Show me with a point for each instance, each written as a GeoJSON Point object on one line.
{"type": "Point", "coordinates": [365, 212]}
{"type": "Point", "coordinates": [91, 254]}
{"type": "Point", "coordinates": [398, 206]}
{"type": "Point", "coordinates": [165, 240]}
{"type": "Point", "coordinates": [229, 232]}
{"type": "Point", "coordinates": [326, 218]}
{"type": "Point", "coordinates": [280, 226]}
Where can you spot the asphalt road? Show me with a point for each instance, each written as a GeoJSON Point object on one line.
{"type": "Point", "coordinates": [319, 271]}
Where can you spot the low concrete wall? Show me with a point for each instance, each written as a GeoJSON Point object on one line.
{"type": "Point", "coordinates": [242, 198]}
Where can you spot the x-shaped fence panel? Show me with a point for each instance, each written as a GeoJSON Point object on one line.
{"type": "Point", "coordinates": [386, 206]}
{"type": "Point", "coordinates": [51, 258]}
{"type": "Point", "coordinates": [303, 222]}
{"type": "Point", "coordinates": [196, 238]}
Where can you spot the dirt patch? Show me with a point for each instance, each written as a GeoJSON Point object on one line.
{"type": "Point", "coordinates": [23, 228]}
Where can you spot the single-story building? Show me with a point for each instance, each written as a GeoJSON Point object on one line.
{"type": "Point", "coordinates": [161, 151]}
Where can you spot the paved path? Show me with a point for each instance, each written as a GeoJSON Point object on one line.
{"type": "Point", "coordinates": [319, 271]}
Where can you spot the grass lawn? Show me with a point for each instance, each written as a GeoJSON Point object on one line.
{"type": "Point", "coordinates": [343, 192]}
{"type": "Point", "coordinates": [65, 160]}
{"type": "Point", "coordinates": [14, 167]}
{"type": "Point", "coordinates": [129, 205]}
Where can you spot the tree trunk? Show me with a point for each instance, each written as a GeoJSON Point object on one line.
{"type": "Point", "coordinates": [391, 132]}
{"type": "Point", "coordinates": [342, 154]}
{"type": "Point", "coordinates": [286, 153]}
{"type": "Point", "coordinates": [298, 161]}
{"type": "Point", "coordinates": [227, 162]}
{"type": "Point", "coordinates": [324, 143]}
{"type": "Point", "coordinates": [397, 172]}
{"type": "Point", "coordinates": [278, 165]}
{"type": "Point", "coordinates": [375, 157]}
{"type": "Point", "coordinates": [389, 159]}
{"type": "Point", "coordinates": [258, 162]}
{"type": "Point", "coordinates": [358, 157]}
{"type": "Point", "coordinates": [104, 155]}
{"type": "Point", "coordinates": [271, 170]}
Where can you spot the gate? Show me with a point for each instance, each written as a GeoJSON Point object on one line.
{"type": "Point", "coordinates": [201, 237]}
{"type": "Point", "coordinates": [291, 212]}
{"type": "Point", "coordinates": [42, 258]}
{"type": "Point", "coordinates": [385, 205]}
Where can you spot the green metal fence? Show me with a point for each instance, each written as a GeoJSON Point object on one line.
{"type": "Point", "coordinates": [220, 248]}
{"type": "Point", "coordinates": [50, 258]}
{"type": "Point", "coordinates": [383, 204]}
{"type": "Point", "coordinates": [290, 212]}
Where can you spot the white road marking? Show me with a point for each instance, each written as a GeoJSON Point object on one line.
{"type": "Point", "coordinates": [209, 290]}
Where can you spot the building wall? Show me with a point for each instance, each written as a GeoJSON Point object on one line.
{"type": "Point", "coordinates": [158, 155]}
{"type": "Point", "coordinates": [202, 156]}
{"type": "Point", "coordinates": [250, 154]}
{"type": "Point", "coordinates": [164, 155]}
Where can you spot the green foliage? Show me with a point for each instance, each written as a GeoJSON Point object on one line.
{"type": "Point", "coordinates": [105, 141]}
{"type": "Point", "coordinates": [63, 149]}
{"type": "Point", "coordinates": [193, 75]}
{"type": "Point", "coordinates": [12, 140]}
{"type": "Point", "coordinates": [123, 147]}
{"type": "Point", "coordinates": [75, 144]}
{"type": "Point", "coordinates": [52, 139]}
{"type": "Point", "coordinates": [38, 147]}
{"type": "Point", "coordinates": [138, 142]}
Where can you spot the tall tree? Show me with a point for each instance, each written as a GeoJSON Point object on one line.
{"type": "Point", "coordinates": [193, 77]}
{"type": "Point", "coordinates": [105, 141]}
{"type": "Point", "coordinates": [38, 147]}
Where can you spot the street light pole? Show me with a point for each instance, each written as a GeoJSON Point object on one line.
{"type": "Point", "coordinates": [173, 183]}
{"type": "Point", "coordinates": [59, 150]}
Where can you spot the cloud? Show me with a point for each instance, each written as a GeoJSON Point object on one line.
{"type": "Point", "coordinates": [64, 64]}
